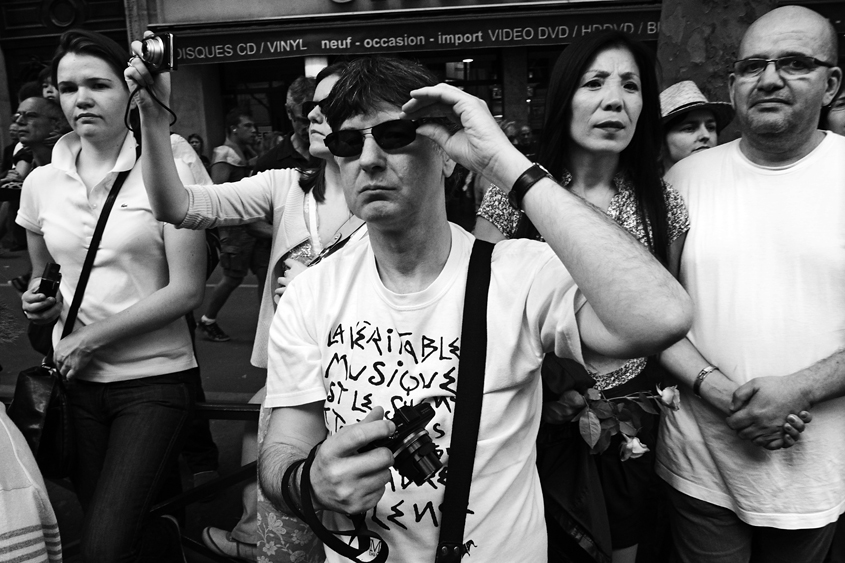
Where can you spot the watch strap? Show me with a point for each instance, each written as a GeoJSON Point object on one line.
{"type": "Point", "coordinates": [525, 182]}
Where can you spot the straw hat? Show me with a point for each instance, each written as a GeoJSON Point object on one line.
{"type": "Point", "coordinates": [684, 96]}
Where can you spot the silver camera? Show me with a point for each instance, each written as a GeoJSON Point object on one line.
{"type": "Point", "coordinates": [158, 53]}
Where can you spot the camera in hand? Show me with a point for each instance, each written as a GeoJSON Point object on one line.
{"type": "Point", "coordinates": [414, 453]}
{"type": "Point", "coordinates": [158, 53]}
{"type": "Point", "coordinates": [50, 280]}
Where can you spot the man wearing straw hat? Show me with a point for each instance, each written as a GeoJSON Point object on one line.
{"type": "Point", "coordinates": [764, 263]}
{"type": "Point", "coordinates": [691, 122]}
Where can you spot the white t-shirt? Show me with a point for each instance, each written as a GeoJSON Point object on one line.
{"type": "Point", "coordinates": [130, 263]}
{"type": "Point", "coordinates": [340, 337]}
{"type": "Point", "coordinates": [764, 263]}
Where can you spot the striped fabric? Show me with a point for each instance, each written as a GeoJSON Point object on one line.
{"type": "Point", "coordinates": [28, 528]}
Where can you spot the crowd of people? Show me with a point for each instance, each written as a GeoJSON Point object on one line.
{"type": "Point", "coordinates": [627, 252]}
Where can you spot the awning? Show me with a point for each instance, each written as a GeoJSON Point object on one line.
{"type": "Point", "coordinates": [406, 35]}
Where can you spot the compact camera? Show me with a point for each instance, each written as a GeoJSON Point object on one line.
{"type": "Point", "coordinates": [50, 280]}
{"type": "Point", "coordinates": [158, 53]}
{"type": "Point", "coordinates": [414, 452]}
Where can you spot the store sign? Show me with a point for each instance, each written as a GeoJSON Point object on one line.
{"type": "Point", "coordinates": [404, 37]}
{"type": "Point", "coordinates": [200, 11]}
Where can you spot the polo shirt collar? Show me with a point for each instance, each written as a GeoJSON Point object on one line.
{"type": "Point", "coordinates": [67, 149]}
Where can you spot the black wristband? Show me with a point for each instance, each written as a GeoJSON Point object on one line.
{"type": "Point", "coordinates": [524, 183]}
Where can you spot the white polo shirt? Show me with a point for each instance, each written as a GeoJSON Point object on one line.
{"type": "Point", "coordinates": [130, 263]}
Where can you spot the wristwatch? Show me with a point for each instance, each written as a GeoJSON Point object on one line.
{"type": "Point", "coordinates": [525, 182]}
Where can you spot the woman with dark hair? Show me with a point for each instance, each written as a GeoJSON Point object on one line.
{"type": "Point", "coordinates": [310, 220]}
{"type": "Point", "coordinates": [197, 144]}
{"type": "Point", "coordinates": [601, 139]}
{"type": "Point", "coordinates": [129, 355]}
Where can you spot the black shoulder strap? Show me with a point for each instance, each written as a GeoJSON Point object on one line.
{"type": "Point", "coordinates": [468, 402]}
{"type": "Point", "coordinates": [92, 252]}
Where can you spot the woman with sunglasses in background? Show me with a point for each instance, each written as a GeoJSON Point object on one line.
{"type": "Point", "coordinates": [310, 220]}
{"type": "Point", "coordinates": [129, 355]}
{"type": "Point", "coordinates": [601, 139]}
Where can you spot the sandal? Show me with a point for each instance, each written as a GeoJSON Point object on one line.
{"type": "Point", "coordinates": [221, 543]}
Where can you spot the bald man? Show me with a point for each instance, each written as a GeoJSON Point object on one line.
{"type": "Point", "coordinates": [764, 263]}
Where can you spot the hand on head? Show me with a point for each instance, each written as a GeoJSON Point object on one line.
{"type": "Point", "coordinates": [479, 144]}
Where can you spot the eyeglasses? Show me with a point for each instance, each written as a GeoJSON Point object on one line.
{"type": "Point", "coordinates": [389, 135]}
{"type": "Point", "coordinates": [26, 116]}
{"type": "Point", "coordinates": [792, 65]}
{"type": "Point", "coordinates": [308, 107]}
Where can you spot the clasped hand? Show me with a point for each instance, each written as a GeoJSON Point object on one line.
{"type": "Point", "coordinates": [348, 482]}
{"type": "Point", "coordinates": [761, 406]}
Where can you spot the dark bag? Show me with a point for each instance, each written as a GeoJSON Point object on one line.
{"type": "Point", "coordinates": [41, 410]}
{"type": "Point", "coordinates": [41, 337]}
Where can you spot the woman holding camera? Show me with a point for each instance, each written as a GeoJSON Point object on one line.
{"type": "Point", "coordinates": [310, 219]}
{"type": "Point", "coordinates": [129, 357]}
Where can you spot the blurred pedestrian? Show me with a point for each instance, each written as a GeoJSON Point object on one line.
{"type": "Point", "coordinates": [243, 248]}
{"type": "Point", "coordinates": [129, 356]}
{"type": "Point", "coordinates": [691, 123]}
{"type": "Point", "coordinates": [292, 151]}
{"type": "Point", "coordinates": [601, 139]}
{"type": "Point", "coordinates": [199, 147]}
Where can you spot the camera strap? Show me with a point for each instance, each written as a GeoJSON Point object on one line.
{"type": "Point", "coordinates": [468, 400]}
{"type": "Point", "coordinates": [330, 537]}
{"type": "Point", "coordinates": [92, 249]}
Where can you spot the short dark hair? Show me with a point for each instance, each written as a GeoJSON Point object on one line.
{"type": "Point", "coordinates": [31, 89]}
{"type": "Point", "coordinates": [370, 82]}
{"type": "Point", "coordinates": [639, 159]}
{"type": "Point", "coordinates": [301, 90]}
{"type": "Point", "coordinates": [91, 43]}
{"type": "Point", "coordinates": [45, 74]}
{"type": "Point", "coordinates": [233, 118]}
{"type": "Point", "coordinates": [332, 69]}
{"type": "Point", "coordinates": [198, 138]}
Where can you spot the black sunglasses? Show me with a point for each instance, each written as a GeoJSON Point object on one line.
{"type": "Point", "coordinates": [389, 135]}
{"type": "Point", "coordinates": [308, 107]}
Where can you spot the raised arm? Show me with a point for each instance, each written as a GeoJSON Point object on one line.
{"type": "Point", "coordinates": [168, 198]}
{"type": "Point", "coordinates": [635, 306]}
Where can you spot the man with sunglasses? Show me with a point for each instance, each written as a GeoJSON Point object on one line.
{"type": "Point", "coordinates": [378, 326]}
{"type": "Point", "coordinates": [292, 151]}
{"type": "Point", "coordinates": [764, 263]}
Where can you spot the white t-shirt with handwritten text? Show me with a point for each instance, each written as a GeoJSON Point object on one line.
{"type": "Point", "coordinates": [341, 338]}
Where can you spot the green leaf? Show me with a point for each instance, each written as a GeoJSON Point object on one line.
{"type": "Point", "coordinates": [602, 444]}
{"type": "Point", "coordinates": [603, 410]}
{"type": "Point", "coordinates": [627, 428]}
{"type": "Point", "coordinates": [610, 424]}
{"type": "Point", "coordinates": [647, 406]}
{"type": "Point", "coordinates": [590, 428]}
{"type": "Point", "coordinates": [592, 394]}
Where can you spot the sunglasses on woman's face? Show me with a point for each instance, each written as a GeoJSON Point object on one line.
{"type": "Point", "coordinates": [389, 135]}
{"type": "Point", "coordinates": [308, 107]}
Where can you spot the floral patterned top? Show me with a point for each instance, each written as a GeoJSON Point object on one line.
{"type": "Point", "coordinates": [622, 209]}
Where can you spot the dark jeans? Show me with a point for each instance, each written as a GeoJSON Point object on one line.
{"type": "Point", "coordinates": [706, 533]}
{"type": "Point", "coordinates": [129, 434]}
{"type": "Point", "coordinates": [200, 451]}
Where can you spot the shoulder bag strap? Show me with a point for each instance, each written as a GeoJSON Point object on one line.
{"type": "Point", "coordinates": [468, 402]}
{"type": "Point", "coordinates": [92, 252]}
